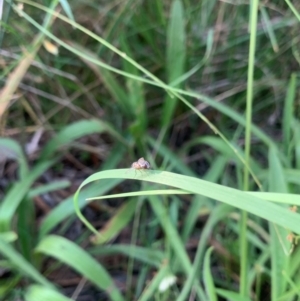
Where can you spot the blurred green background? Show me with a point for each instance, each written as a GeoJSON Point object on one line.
{"type": "Point", "coordinates": [207, 92]}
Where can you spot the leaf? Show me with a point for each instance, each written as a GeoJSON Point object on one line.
{"type": "Point", "coordinates": [176, 55]}
{"type": "Point", "coordinates": [72, 255]}
{"type": "Point", "coordinates": [288, 113]}
{"type": "Point", "coordinates": [38, 293]}
{"type": "Point", "coordinates": [234, 197]}
{"type": "Point", "coordinates": [152, 257]}
{"type": "Point", "coordinates": [279, 245]}
{"type": "Point", "coordinates": [208, 278]}
{"type": "Point", "coordinates": [16, 194]}
{"type": "Point", "coordinates": [10, 149]}
{"type": "Point", "coordinates": [21, 264]}
{"type": "Point", "coordinates": [231, 296]}
{"type": "Point", "coordinates": [66, 7]}
{"type": "Point", "coordinates": [77, 130]}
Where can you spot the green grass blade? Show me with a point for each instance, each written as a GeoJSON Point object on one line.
{"type": "Point", "coordinates": [8, 236]}
{"type": "Point", "coordinates": [176, 48]}
{"type": "Point", "coordinates": [296, 130]}
{"type": "Point", "coordinates": [140, 193]}
{"type": "Point", "coordinates": [292, 284]}
{"type": "Point", "coordinates": [212, 175]}
{"type": "Point", "coordinates": [176, 53]}
{"type": "Point", "coordinates": [120, 219]}
{"type": "Point", "coordinates": [208, 278]}
{"type": "Point", "coordinates": [69, 253]}
{"type": "Point", "coordinates": [53, 186]}
{"type": "Point", "coordinates": [76, 130]}
{"type": "Point", "coordinates": [236, 198]}
{"type": "Point", "coordinates": [217, 214]}
{"type": "Point", "coordinates": [135, 96]}
{"type": "Point", "coordinates": [12, 150]}
{"type": "Point", "coordinates": [21, 264]}
{"type": "Point", "coordinates": [277, 181]}
{"type": "Point", "coordinates": [8, 285]}
{"type": "Point", "coordinates": [26, 228]}
{"type": "Point", "coordinates": [38, 293]}
{"type": "Point", "coordinates": [283, 198]}
{"type": "Point", "coordinates": [152, 257]}
{"type": "Point", "coordinates": [16, 194]}
{"type": "Point", "coordinates": [250, 86]}
{"type": "Point", "coordinates": [269, 28]}
{"type": "Point", "coordinates": [66, 7]}
{"type": "Point", "coordinates": [288, 114]}
{"type": "Point", "coordinates": [279, 244]}
{"type": "Point", "coordinates": [293, 9]}
{"type": "Point", "coordinates": [231, 296]}
{"type": "Point", "coordinates": [174, 239]}
{"type": "Point", "coordinates": [152, 288]}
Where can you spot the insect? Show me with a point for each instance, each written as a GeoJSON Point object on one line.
{"type": "Point", "coordinates": [140, 164]}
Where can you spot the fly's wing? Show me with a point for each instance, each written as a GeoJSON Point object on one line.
{"type": "Point", "coordinates": [143, 163]}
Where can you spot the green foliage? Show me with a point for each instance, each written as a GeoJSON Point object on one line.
{"type": "Point", "coordinates": [211, 106]}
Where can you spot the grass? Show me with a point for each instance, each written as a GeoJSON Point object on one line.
{"type": "Point", "coordinates": [193, 87]}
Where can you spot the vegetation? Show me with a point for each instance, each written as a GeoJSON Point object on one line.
{"type": "Point", "coordinates": [207, 92]}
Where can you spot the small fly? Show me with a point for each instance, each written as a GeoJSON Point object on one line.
{"type": "Point", "coordinates": [141, 164]}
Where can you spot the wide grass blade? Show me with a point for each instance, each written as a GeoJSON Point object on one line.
{"type": "Point", "coordinates": [76, 130]}
{"type": "Point", "coordinates": [230, 196]}
{"type": "Point", "coordinates": [72, 255]}
{"type": "Point", "coordinates": [52, 186]}
{"type": "Point", "coordinates": [42, 293]}
{"type": "Point", "coordinates": [16, 194]}
{"type": "Point", "coordinates": [8, 236]}
{"type": "Point", "coordinates": [176, 48]}
{"type": "Point", "coordinates": [279, 245]}
{"type": "Point", "coordinates": [176, 53]}
{"type": "Point", "coordinates": [153, 257]}
{"type": "Point", "coordinates": [10, 149]}
{"type": "Point", "coordinates": [23, 266]}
